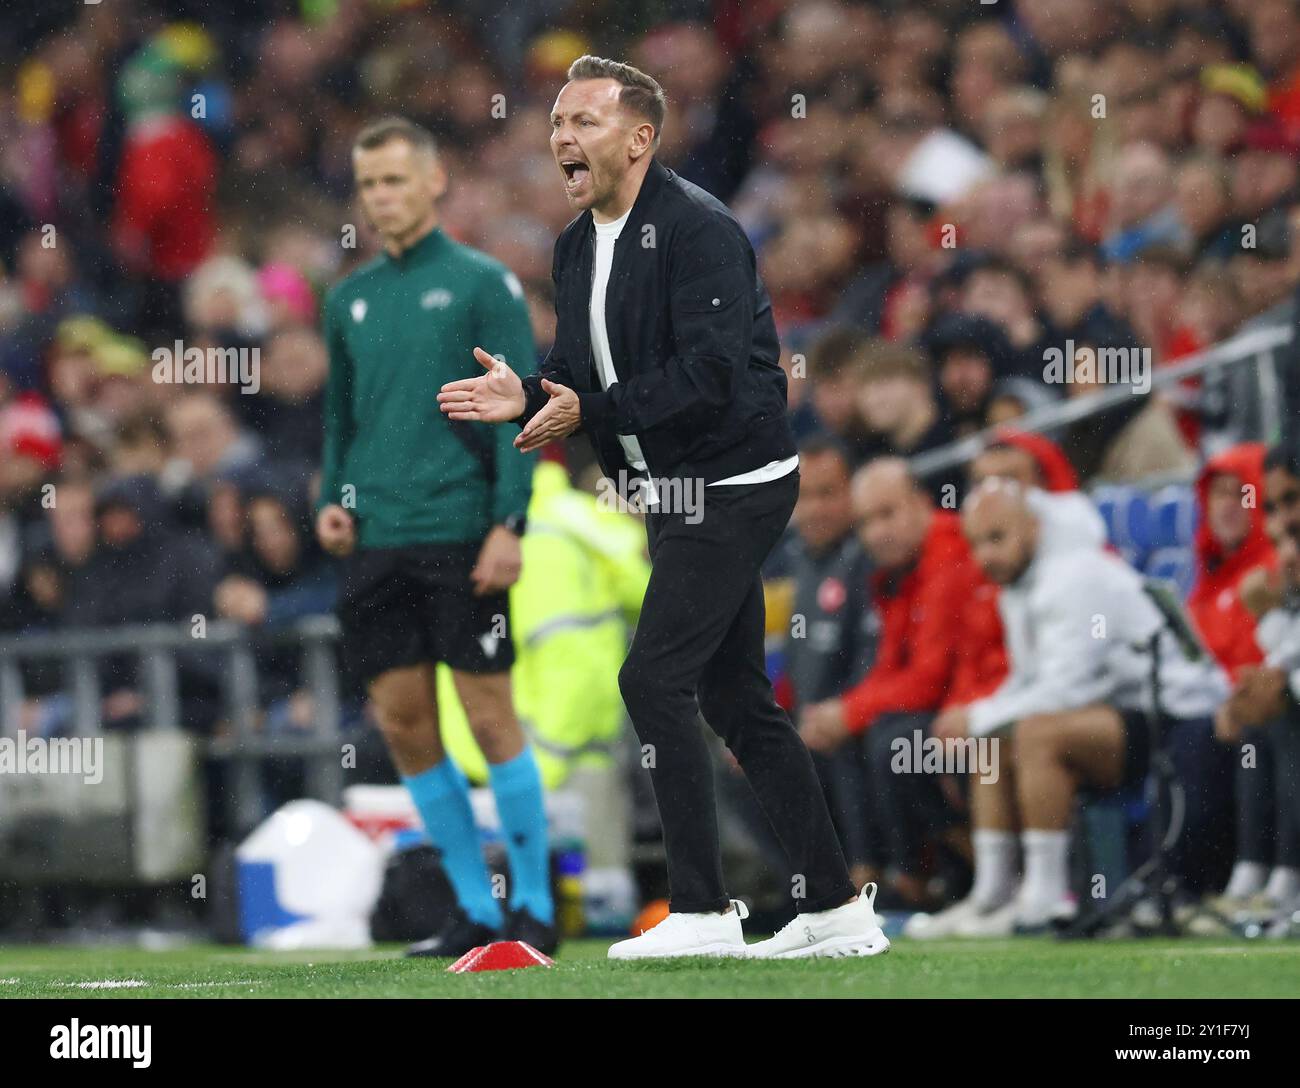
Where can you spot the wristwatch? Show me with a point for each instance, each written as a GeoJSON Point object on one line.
{"type": "Point", "coordinates": [516, 523]}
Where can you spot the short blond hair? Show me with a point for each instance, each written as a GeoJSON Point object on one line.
{"type": "Point", "coordinates": [386, 129]}
{"type": "Point", "coordinates": [641, 94]}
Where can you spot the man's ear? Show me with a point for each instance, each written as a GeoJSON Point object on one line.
{"type": "Point", "coordinates": [435, 176]}
{"type": "Point", "coordinates": [643, 138]}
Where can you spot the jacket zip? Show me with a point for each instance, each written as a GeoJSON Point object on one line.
{"type": "Point", "coordinates": [591, 286]}
{"type": "Point", "coordinates": [591, 345]}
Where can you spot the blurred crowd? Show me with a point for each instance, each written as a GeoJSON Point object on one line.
{"type": "Point", "coordinates": [902, 632]}
{"type": "Point", "coordinates": [938, 194]}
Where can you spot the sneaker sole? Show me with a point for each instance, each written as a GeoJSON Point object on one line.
{"type": "Point", "coordinates": [730, 951]}
{"type": "Point", "coordinates": [873, 944]}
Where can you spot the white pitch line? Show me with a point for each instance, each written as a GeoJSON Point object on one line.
{"type": "Point", "coordinates": [1252, 947]}
{"type": "Point", "coordinates": [135, 983]}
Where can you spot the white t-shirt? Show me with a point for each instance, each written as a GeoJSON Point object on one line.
{"type": "Point", "coordinates": [773, 470]}
{"type": "Point", "coordinates": [606, 235]}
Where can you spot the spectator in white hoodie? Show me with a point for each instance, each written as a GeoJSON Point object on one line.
{"type": "Point", "coordinates": [1067, 519]}
{"type": "Point", "coordinates": [1073, 709]}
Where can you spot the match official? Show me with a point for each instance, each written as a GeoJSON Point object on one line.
{"type": "Point", "coordinates": [666, 356]}
{"type": "Point", "coordinates": [428, 512]}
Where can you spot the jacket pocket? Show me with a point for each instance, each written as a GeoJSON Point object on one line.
{"type": "Point", "coordinates": [712, 330]}
{"type": "Point", "coordinates": [713, 293]}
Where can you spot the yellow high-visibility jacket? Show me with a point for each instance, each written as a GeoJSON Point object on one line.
{"type": "Point", "coordinates": [585, 571]}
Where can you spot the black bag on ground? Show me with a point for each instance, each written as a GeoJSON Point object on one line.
{"type": "Point", "coordinates": [416, 900]}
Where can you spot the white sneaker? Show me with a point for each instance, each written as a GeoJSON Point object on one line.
{"type": "Point", "coordinates": [709, 934]}
{"type": "Point", "coordinates": [1286, 923]}
{"type": "Point", "coordinates": [986, 923]}
{"type": "Point", "coordinates": [851, 929]}
{"type": "Point", "coordinates": [1036, 917]}
{"type": "Point", "coordinates": [944, 923]}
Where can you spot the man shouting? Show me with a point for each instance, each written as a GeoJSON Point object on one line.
{"type": "Point", "coordinates": [666, 355]}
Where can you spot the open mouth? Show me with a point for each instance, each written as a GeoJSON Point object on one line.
{"type": "Point", "coordinates": [575, 172]}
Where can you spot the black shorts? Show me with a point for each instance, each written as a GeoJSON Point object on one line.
{"type": "Point", "coordinates": [1137, 745]}
{"type": "Point", "coordinates": [406, 606]}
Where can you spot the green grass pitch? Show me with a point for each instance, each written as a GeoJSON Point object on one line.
{"type": "Point", "coordinates": [1025, 968]}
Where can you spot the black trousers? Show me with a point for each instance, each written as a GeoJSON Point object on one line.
{"type": "Point", "coordinates": [846, 779]}
{"type": "Point", "coordinates": [1203, 854]}
{"type": "Point", "coordinates": [912, 806]}
{"type": "Point", "coordinates": [699, 649]}
{"type": "Point", "coordinates": [1268, 795]}
{"type": "Point", "coordinates": [1255, 788]}
{"type": "Point", "coordinates": [1286, 737]}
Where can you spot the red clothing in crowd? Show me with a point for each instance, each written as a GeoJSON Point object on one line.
{"type": "Point", "coordinates": [1225, 624]}
{"type": "Point", "coordinates": [1284, 104]}
{"type": "Point", "coordinates": [163, 213]}
{"type": "Point", "coordinates": [982, 656]}
{"type": "Point", "coordinates": [920, 633]}
{"type": "Point", "coordinates": [1053, 466]}
{"type": "Point", "coordinates": [1180, 343]}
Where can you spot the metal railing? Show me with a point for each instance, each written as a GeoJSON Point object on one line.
{"type": "Point", "coordinates": [158, 650]}
{"type": "Point", "coordinates": [1257, 345]}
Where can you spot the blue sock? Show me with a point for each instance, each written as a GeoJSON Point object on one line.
{"type": "Point", "coordinates": [442, 796]}
{"type": "Point", "coordinates": [517, 785]}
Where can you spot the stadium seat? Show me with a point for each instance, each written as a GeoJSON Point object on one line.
{"type": "Point", "coordinates": [1127, 517]}
{"type": "Point", "coordinates": [1177, 564]}
{"type": "Point", "coordinates": [1172, 521]}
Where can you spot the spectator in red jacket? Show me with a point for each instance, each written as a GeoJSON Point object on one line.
{"type": "Point", "coordinates": [1230, 542]}
{"type": "Point", "coordinates": [924, 577]}
{"type": "Point", "coordinates": [163, 222]}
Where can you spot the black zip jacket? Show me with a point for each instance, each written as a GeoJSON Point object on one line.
{"type": "Point", "coordinates": [690, 332]}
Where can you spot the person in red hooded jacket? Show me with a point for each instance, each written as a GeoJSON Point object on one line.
{"type": "Point", "coordinates": [1231, 541]}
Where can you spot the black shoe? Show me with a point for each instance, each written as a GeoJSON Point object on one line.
{"type": "Point", "coordinates": [454, 941]}
{"type": "Point", "coordinates": [522, 926]}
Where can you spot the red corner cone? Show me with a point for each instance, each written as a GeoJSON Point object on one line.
{"type": "Point", "coordinates": [500, 956]}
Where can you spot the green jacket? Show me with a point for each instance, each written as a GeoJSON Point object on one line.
{"type": "Point", "coordinates": [397, 329]}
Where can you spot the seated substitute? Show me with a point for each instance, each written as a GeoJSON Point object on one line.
{"type": "Point", "coordinates": [1073, 711]}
